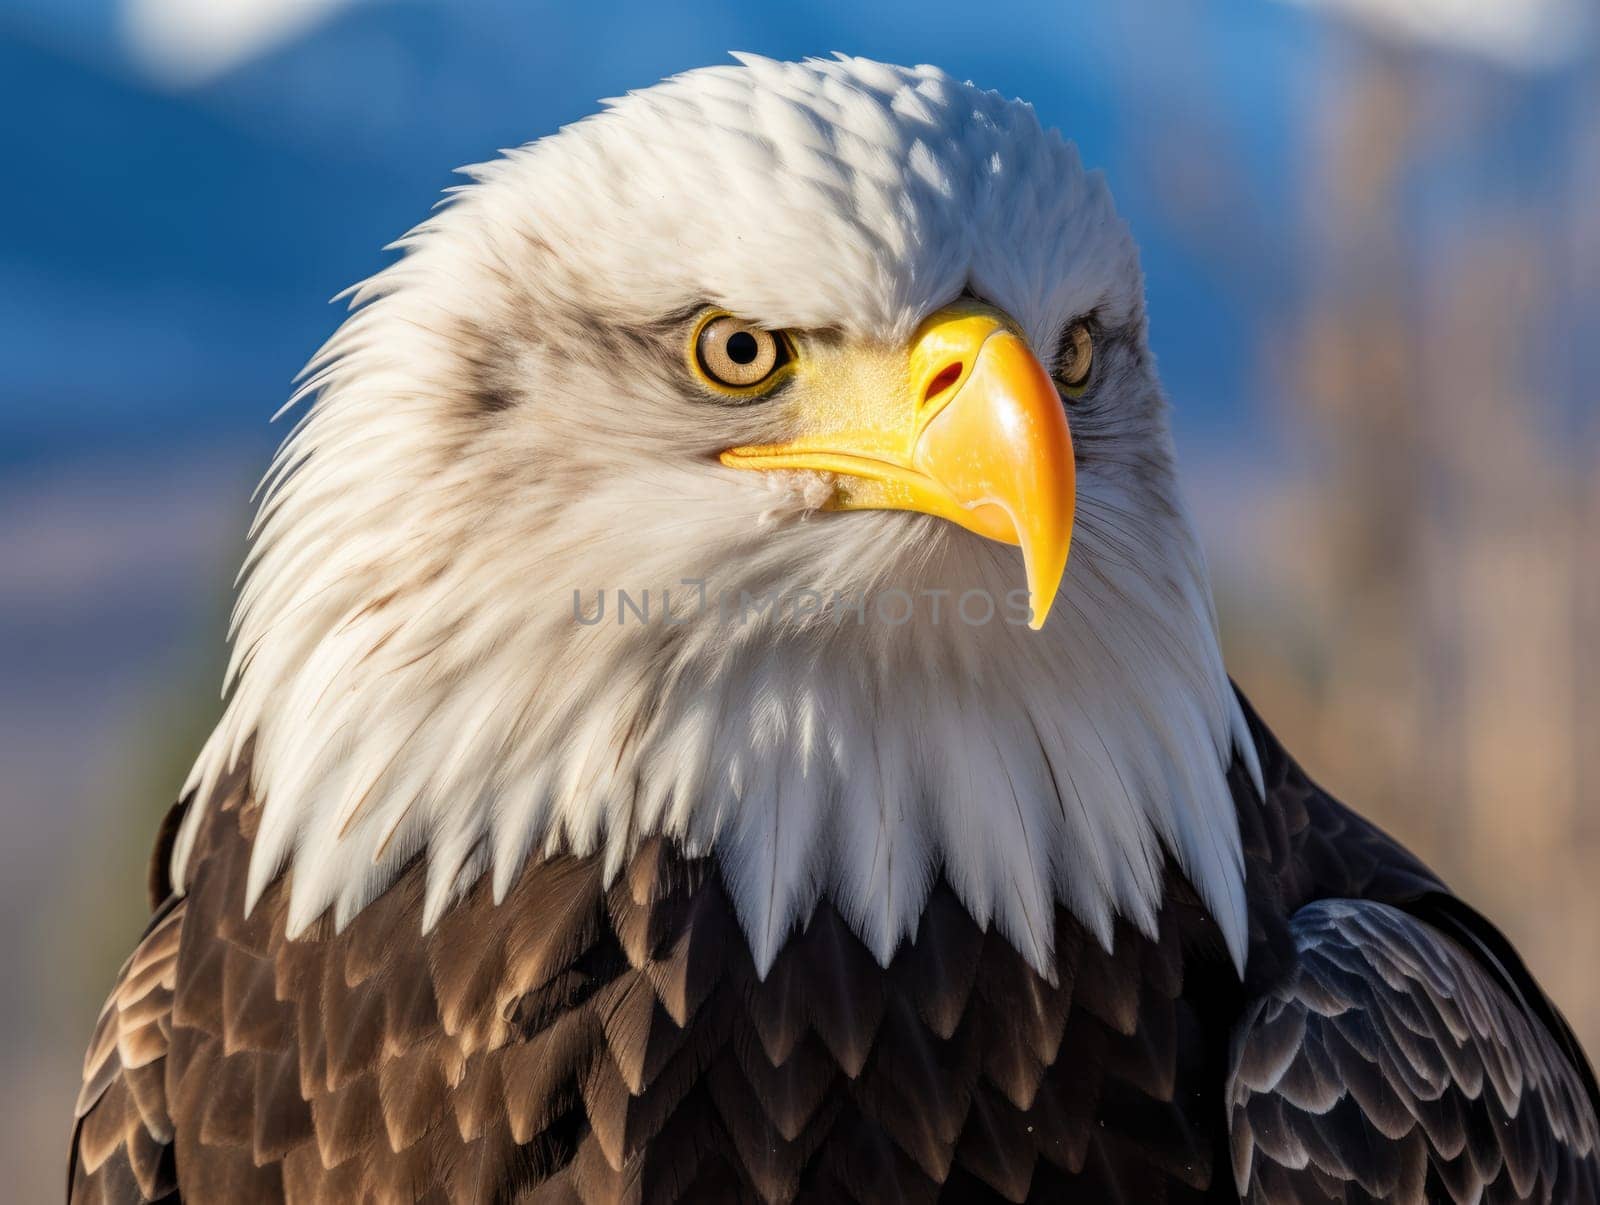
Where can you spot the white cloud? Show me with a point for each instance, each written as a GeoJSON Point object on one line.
{"type": "Point", "coordinates": [186, 42]}
{"type": "Point", "coordinates": [1526, 34]}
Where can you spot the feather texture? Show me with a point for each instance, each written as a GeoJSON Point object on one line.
{"type": "Point", "coordinates": [1391, 1067]}
{"type": "Point", "coordinates": [581, 1042]}
{"type": "Point", "coordinates": [598, 1043]}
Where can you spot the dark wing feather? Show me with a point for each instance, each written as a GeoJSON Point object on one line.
{"type": "Point", "coordinates": [122, 1136]}
{"type": "Point", "coordinates": [1394, 1065]}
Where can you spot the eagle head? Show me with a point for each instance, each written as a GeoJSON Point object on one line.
{"type": "Point", "coordinates": [710, 469]}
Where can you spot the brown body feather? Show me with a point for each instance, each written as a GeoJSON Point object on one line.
{"type": "Point", "coordinates": [586, 1043]}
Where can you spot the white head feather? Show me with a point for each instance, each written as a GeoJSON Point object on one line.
{"type": "Point", "coordinates": [506, 419]}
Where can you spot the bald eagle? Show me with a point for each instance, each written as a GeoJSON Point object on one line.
{"type": "Point", "coordinates": [670, 756]}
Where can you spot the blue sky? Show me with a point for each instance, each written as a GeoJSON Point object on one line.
{"type": "Point", "coordinates": [168, 246]}
{"type": "Point", "coordinates": [167, 251]}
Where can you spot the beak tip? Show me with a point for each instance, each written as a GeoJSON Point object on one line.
{"type": "Point", "coordinates": [1037, 614]}
{"type": "Point", "coordinates": [1044, 580]}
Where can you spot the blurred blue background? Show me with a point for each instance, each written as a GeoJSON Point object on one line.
{"type": "Point", "coordinates": [1371, 236]}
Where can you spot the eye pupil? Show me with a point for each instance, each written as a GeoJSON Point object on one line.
{"type": "Point", "coordinates": [743, 348]}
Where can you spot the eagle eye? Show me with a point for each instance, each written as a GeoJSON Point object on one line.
{"type": "Point", "coordinates": [1075, 358]}
{"type": "Point", "coordinates": [735, 356]}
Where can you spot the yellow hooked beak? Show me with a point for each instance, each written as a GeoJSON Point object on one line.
{"type": "Point", "coordinates": [980, 438]}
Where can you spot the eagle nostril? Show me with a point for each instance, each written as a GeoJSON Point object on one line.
{"type": "Point", "coordinates": [946, 377]}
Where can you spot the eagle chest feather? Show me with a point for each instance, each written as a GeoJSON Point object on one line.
{"type": "Point", "coordinates": [586, 1042]}
{"type": "Point", "coordinates": [594, 1043]}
